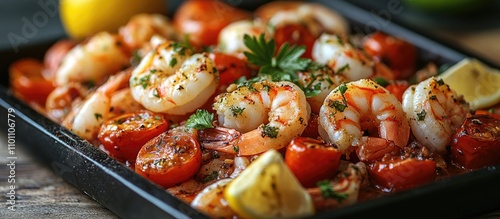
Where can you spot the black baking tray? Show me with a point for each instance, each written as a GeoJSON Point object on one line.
{"type": "Point", "coordinates": [127, 194]}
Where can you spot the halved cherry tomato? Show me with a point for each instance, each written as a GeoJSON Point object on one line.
{"type": "Point", "coordinates": [398, 175]}
{"type": "Point", "coordinates": [124, 135]}
{"type": "Point", "coordinates": [202, 20]}
{"type": "Point", "coordinates": [312, 160]}
{"type": "Point", "coordinates": [230, 69]}
{"type": "Point", "coordinates": [311, 130]}
{"type": "Point", "coordinates": [397, 88]}
{"type": "Point", "coordinates": [476, 143]}
{"type": "Point", "coordinates": [170, 158]}
{"type": "Point", "coordinates": [398, 54]}
{"type": "Point", "coordinates": [27, 81]}
{"type": "Point", "coordinates": [295, 34]}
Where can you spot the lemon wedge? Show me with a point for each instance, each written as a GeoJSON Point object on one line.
{"type": "Point", "coordinates": [478, 83]}
{"type": "Point", "coordinates": [268, 189]}
{"type": "Point", "coordinates": [82, 18]}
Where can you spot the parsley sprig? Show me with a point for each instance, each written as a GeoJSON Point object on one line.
{"type": "Point", "coordinates": [201, 119]}
{"type": "Point", "coordinates": [283, 66]}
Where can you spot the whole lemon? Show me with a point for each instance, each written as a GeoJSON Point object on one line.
{"type": "Point", "coordinates": [82, 18]}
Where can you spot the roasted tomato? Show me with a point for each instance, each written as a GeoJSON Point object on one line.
{"type": "Point", "coordinates": [170, 158]}
{"type": "Point", "coordinates": [398, 54]}
{"type": "Point", "coordinates": [312, 160]}
{"type": "Point", "coordinates": [374, 149]}
{"type": "Point", "coordinates": [28, 83]}
{"type": "Point", "coordinates": [124, 135]}
{"type": "Point", "coordinates": [202, 20]}
{"type": "Point", "coordinates": [230, 69]}
{"type": "Point", "coordinates": [397, 88]}
{"type": "Point", "coordinates": [295, 34]}
{"type": "Point", "coordinates": [476, 144]}
{"type": "Point", "coordinates": [398, 175]}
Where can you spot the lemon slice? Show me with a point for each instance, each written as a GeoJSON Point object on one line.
{"type": "Point", "coordinates": [82, 18]}
{"type": "Point", "coordinates": [478, 83]}
{"type": "Point", "coordinates": [268, 189]}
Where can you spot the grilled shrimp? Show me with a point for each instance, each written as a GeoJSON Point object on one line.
{"type": "Point", "coordinates": [435, 112]}
{"type": "Point", "coordinates": [140, 28]}
{"type": "Point", "coordinates": [316, 17]}
{"type": "Point", "coordinates": [62, 99]}
{"type": "Point", "coordinates": [269, 114]}
{"type": "Point", "coordinates": [324, 80]}
{"type": "Point", "coordinates": [170, 80]}
{"type": "Point", "coordinates": [346, 185]}
{"type": "Point", "coordinates": [343, 58]}
{"type": "Point", "coordinates": [86, 118]}
{"type": "Point", "coordinates": [93, 61]}
{"type": "Point", "coordinates": [231, 36]}
{"type": "Point", "coordinates": [362, 105]}
{"type": "Point", "coordinates": [212, 202]}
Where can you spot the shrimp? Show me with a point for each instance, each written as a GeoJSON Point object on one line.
{"type": "Point", "coordinates": [435, 112]}
{"type": "Point", "coordinates": [269, 114]}
{"type": "Point", "coordinates": [122, 102]}
{"type": "Point", "coordinates": [316, 17]}
{"type": "Point", "coordinates": [92, 61]}
{"type": "Point", "coordinates": [169, 80]}
{"type": "Point", "coordinates": [137, 33]}
{"type": "Point", "coordinates": [361, 105]}
{"type": "Point", "coordinates": [343, 58]}
{"type": "Point", "coordinates": [346, 186]}
{"type": "Point", "coordinates": [86, 119]}
{"type": "Point", "coordinates": [62, 99]}
{"type": "Point", "coordinates": [322, 79]}
{"type": "Point", "coordinates": [231, 37]}
{"type": "Point", "coordinates": [211, 200]}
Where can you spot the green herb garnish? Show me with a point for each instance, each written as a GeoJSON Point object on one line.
{"type": "Point", "coordinates": [421, 115]}
{"type": "Point", "coordinates": [327, 191]}
{"type": "Point", "coordinates": [269, 131]}
{"type": "Point", "coordinates": [201, 119]}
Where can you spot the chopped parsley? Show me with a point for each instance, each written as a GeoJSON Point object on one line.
{"type": "Point", "coordinates": [340, 106]}
{"type": "Point", "coordinates": [97, 116]}
{"type": "Point", "coordinates": [269, 131]}
{"type": "Point", "coordinates": [173, 62]}
{"type": "Point", "coordinates": [136, 58]}
{"type": "Point", "coordinates": [327, 191]}
{"type": "Point", "coordinates": [236, 110]}
{"type": "Point", "coordinates": [440, 82]}
{"type": "Point", "coordinates": [421, 115]}
{"type": "Point", "coordinates": [236, 149]}
{"type": "Point", "coordinates": [381, 81]}
{"type": "Point", "coordinates": [210, 177]}
{"type": "Point", "coordinates": [343, 68]}
{"type": "Point", "coordinates": [201, 119]}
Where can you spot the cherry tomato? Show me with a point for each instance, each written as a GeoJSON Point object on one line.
{"type": "Point", "coordinates": [54, 56]}
{"type": "Point", "coordinates": [476, 143]}
{"type": "Point", "coordinates": [170, 158]}
{"type": "Point", "coordinates": [397, 88]}
{"type": "Point", "coordinates": [398, 175]}
{"type": "Point", "coordinates": [295, 34]}
{"type": "Point", "coordinates": [28, 83]}
{"type": "Point", "coordinates": [202, 20]}
{"type": "Point", "coordinates": [230, 69]}
{"type": "Point", "coordinates": [311, 130]}
{"type": "Point", "coordinates": [124, 135]}
{"type": "Point", "coordinates": [398, 54]}
{"type": "Point", "coordinates": [312, 160]}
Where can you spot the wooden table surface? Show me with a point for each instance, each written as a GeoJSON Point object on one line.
{"type": "Point", "coordinates": [40, 193]}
